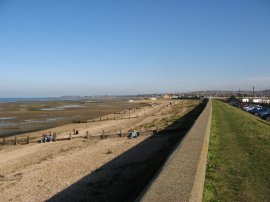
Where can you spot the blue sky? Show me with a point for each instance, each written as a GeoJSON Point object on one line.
{"type": "Point", "coordinates": [53, 48]}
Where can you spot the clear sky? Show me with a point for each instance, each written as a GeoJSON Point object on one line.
{"type": "Point", "coordinates": [62, 47]}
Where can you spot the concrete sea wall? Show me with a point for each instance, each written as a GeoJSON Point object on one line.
{"type": "Point", "coordinates": [182, 176]}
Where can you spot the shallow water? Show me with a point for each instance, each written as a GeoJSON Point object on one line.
{"type": "Point", "coordinates": [33, 121]}
{"type": "Point", "coordinates": [4, 124]}
{"type": "Point", "coordinates": [61, 108]}
{"type": "Point", "coordinates": [51, 109]}
{"type": "Point", "coordinates": [70, 106]}
{"type": "Point", "coordinates": [47, 120]}
{"type": "Point", "coordinates": [7, 118]}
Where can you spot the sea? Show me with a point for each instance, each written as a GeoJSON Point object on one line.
{"type": "Point", "coordinates": [3, 100]}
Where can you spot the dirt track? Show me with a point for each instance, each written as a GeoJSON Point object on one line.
{"type": "Point", "coordinates": [37, 172]}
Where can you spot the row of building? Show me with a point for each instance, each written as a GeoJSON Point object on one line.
{"type": "Point", "coordinates": [256, 100]}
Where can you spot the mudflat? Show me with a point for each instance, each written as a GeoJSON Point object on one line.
{"type": "Point", "coordinates": [28, 116]}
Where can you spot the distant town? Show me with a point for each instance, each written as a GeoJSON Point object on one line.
{"type": "Point", "coordinates": [262, 96]}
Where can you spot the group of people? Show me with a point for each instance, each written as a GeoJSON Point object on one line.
{"type": "Point", "coordinates": [75, 132]}
{"type": "Point", "coordinates": [46, 138]}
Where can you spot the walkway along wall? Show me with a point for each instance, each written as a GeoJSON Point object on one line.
{"type": "Point", "coordinates": [182, 176]}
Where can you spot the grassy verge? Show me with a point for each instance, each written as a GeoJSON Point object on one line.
{"type": "Point", "coordinates": [238, 167]}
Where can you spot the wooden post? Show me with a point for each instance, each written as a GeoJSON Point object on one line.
{"type": "Point", "coordinates": [15, 140]}
{"type": "Point", "coordinates": [121, 132]}
{"type": "Point", "coordinates": [4, 140]}
{"type": "Point", "coordinates": [70, 137]}
{"type": "Point", "coordinates": [87, 134]}
{"type": "Point", "coordinates": [154, 132]}
{"type": "Point", "coordinates": [107, 118]}
{"type": "Point", "coordinates": [103, 134]}
{"type": "Point", "coordinates": [100, 119]}
{"type": "Point", "coordinates": [54, 137]}
{"type": "Point", "coordinates": [28, 140]}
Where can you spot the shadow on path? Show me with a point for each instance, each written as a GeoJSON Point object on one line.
{"type": "Point", "coordinates": [126, 176]}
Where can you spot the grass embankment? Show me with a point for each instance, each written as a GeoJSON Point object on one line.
{"type": "Point", "coordinates": [238, 166]}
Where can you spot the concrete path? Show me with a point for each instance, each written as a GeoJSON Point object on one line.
{"type": "Point", "coordinates": [182, 176]}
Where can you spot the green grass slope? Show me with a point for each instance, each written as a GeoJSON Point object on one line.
{"type": "Point", "coordinates": [238, 167]}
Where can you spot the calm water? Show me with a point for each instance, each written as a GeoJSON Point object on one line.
{"type": "Point", "coordinates": [2, 100]}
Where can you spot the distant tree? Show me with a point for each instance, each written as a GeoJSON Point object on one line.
{"type": "Point", "coordinates": [232, 98]}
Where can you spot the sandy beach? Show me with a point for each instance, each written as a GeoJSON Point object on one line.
{"type": "Point", "coordinates": [37, 172]}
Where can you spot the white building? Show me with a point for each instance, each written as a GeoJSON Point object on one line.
{"type": "Point", "coordinates": [257, 100]}
{"type": "Point", "coordinates": [266, 101]}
